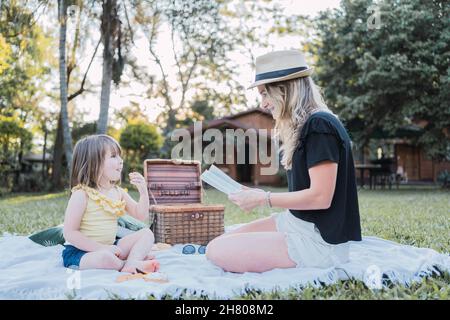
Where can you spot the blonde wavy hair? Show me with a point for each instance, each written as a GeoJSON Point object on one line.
{"type": "Point", "coordinates": [88, 158]}
{"type": "Point", "coordinates": [293, 101]}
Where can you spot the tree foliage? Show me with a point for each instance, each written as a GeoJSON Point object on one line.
{"type": "Point", "coordinates": [389, 78]}
{"type": "Point", "coordinates": [23, 61]}
{"type": "Point", "coordinates": [139, 140]}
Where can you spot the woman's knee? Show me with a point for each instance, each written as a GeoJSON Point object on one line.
{"type": "Point", "coordinates": [220, 253]}
{"type": "Point", "coordinates": [212, 250]}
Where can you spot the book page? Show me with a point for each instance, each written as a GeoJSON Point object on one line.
{"type": "Point", "coordinates": [221, 181]}
{"type": "Point", "coordinates": [225, 177]}
{"type": "Point", "coordinates": [216, 182]}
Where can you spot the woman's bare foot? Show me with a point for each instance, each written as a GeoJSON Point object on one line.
{"type": "Point", "coordinates": [145, 266]}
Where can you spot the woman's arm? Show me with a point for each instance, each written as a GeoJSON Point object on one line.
{"type": "Point", "coordinates": [138, 210]}
{"type": "Point", "coordinates": [318, 196]}
{"type": "Point", "coordinates": [71, 231]}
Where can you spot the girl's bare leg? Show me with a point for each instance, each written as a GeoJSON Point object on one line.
{"type": "Point", "coordinates": [101, 260]}
{"type": "Point", "coordinates": [139, 248]}
{"type": "Point", "coordinates": [128, 242]}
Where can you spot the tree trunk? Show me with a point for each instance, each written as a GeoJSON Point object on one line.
{"type": "Point", "coordinates": [18, 170]}
{"type": "Point", "coordinates": [58, 157]}
{"type": "Point", "coordinates": [108, 27]}
{"type": "Point", "coordinates": [67, 137]}
{"type": "Point", "coordinates": [44, 161]}
{"type": "Point", "coordinates": [171, 121]}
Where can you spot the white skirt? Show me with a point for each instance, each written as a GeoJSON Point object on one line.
{"type": "Point", "coordinates": [306, 246]}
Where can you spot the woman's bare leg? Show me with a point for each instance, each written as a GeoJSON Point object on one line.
{"type": "Point", "coordinates": [250, 252]}
{"type": "Point", "coordinates": [267, 224]}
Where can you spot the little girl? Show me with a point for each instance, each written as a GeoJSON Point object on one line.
{"type": "Point", "coordinates": [96, 202]}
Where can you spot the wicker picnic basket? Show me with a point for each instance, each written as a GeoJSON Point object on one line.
{"type": "Point", "coordinates": [176, 209]}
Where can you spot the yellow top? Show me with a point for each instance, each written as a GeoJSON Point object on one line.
{"type": "Point", "coordinates": [99, 222]}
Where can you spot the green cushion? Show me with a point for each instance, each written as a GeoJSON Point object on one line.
{"type": "Point", "coordinates": [49, 237]}
{"type": "Point", "coordinates": [54, 236]}
{"type": "Point", "coordinates": [131, 223]}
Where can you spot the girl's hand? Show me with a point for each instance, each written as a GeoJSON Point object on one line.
{"type": "Point", "coordinates": [248, 198]}
{"type": "Point", "coordinates": [138, 180]}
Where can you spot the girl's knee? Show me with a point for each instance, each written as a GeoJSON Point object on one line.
{"type": "Point", "coordinates": [146, 232]}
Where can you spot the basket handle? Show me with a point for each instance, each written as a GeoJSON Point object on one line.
{"type": "Point", "coordinates": [186, 186]}
{"type": "Point", "coordinates": [196, 216]}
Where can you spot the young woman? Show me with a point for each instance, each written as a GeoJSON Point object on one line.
{"type": "Point", "coordinates": [322, 201]}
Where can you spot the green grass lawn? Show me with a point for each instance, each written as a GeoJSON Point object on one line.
{"type": "Point", "coordinates": [419, 217]}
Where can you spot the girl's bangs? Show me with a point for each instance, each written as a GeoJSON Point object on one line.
{"type": "Point", "coordinates": [114, 147]}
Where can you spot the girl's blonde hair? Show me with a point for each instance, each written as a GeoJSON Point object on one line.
{"type": "Point", "coordinates": [88, 158]}
{"type": "Point", "coordinates": [293, 101]}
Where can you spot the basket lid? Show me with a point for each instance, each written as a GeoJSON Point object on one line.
{"type": "Point", "coordinates": [173, 181]}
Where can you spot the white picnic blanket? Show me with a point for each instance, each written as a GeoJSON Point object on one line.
{"type": "Point", "coordinates": [31, 271]}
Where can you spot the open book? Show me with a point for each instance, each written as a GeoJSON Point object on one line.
{"type": "Point", "coordinates": [219, 180]}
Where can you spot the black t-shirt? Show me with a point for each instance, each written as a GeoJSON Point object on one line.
{"type": "Point", "coordinates": [323, 137]}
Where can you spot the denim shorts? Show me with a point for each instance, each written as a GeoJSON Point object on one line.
{"type": "Point", "coordinates": [72, 256]}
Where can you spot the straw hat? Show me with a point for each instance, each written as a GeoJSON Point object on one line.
{"type": "Point", "coordinates": [280, 66]}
